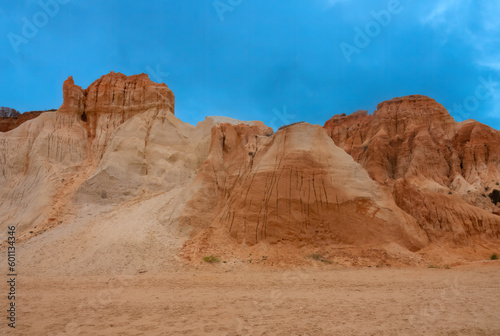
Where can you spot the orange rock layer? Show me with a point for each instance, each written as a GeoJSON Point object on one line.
{"type": "Point", "coordinates": [440, 172]}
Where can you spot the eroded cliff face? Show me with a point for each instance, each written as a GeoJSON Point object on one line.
{"type": "Point", "coordinates": [295, 188]}
{"type": "Point", "coordinates": [116, 181]}
{"type": "Point", "coordinates": [438, 171]}
{"type": "Point", "coordinates": [118, 94]}
{"type": "Point", "coordinates": [45, 163]}
{"type": "Point", "coordinates": [110, 101]}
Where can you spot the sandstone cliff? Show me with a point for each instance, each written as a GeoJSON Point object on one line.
{"type": "Point", "coordinates": [46, 161]}
{"type": "Point", "coordinates": [110, 101]}
{"type": "Point", "coordinates": [293, 190]}
{"type": "Point", "coordinates": [439, 171]}
{"type": "Point", "coordinates": [118, 183]}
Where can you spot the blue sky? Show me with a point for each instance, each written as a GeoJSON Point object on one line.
{"type": "Point", "coordinates": [275, 61]}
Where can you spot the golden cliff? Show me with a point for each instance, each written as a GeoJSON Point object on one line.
{"type": "Point", "coordinates": [118, 183]}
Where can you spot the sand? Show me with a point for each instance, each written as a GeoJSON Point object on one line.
{"type": "Point", "coordinates": [222, 299]}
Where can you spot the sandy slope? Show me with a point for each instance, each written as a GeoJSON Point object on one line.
{"type": "Point", "coordinates": [227, 300]}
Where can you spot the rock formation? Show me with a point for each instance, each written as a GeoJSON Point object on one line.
{"type": "Point", "coordinates": [438, 171]}
{"type": "Point", "coordinates": [294, 188]}
{"type": "Point", "coordinates": [52, 156]}
{"type": "Point", "coordinates": [116, 93]}
{"type": "Point", "coordinates": [110, 101]}
{"type": "Point", "coordinates": [118, 183]}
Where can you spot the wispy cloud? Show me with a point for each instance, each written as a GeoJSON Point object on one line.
{"type": "Point", "coordinates": [474, 23]}
{"type": "Point", "coordinates": [438, 14]}
{"type": "Point", "coordinates": [493, 64]}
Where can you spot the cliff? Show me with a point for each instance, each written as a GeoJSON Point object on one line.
{"type": "Point", "coordinates": [113, 181]}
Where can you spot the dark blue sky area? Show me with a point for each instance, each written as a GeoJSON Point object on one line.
{"type": "Point", "coordinates": [275, 61]}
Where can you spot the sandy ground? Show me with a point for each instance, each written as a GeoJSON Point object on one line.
{"type": "Point", "coordinates": [222, 300]}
